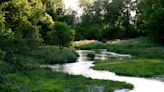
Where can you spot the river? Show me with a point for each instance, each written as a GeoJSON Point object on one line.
{"type": "Point", "coordinates": [83, 67]}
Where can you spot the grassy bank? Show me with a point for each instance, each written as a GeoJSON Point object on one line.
{"type": "Point", "coordinates": [36, 79]}
{"type": "Point", "coordinates": [133, 67]}
{"type": "Point", "coordinates": [44, 80]}
{"type": "Point", "coordinates": [24, 74]}
{"type": "Point", "coordinates": [54, 55]}
{"type": "Point", "coordinates": [140, 47]}
{"type": "Point", "coordinates": [148, 58]}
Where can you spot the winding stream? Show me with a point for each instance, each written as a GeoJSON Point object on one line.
{"type": "Point", "coordinates": [82, 67]}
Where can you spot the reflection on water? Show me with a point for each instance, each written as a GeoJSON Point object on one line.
{"type": "Point", "coordinates": [82, 67]}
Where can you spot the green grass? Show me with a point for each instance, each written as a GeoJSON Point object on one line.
{"type": "Point", "coordinates": [133, 67]}
{"type": "Point", "coordinates": [140, 47]}
{"type": "Point", "coordinates": [148, 60]}
{"type": "Point", "coordinates": [54, 55]}
{"type": "Point", "coordinates": [24, 74]}
{"type": "Point", "coordinates": [95, 45]}
{"type": "Point", "coordinates": [44, 80]}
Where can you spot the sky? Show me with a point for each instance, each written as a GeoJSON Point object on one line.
{"type": "Point", "coordinates": [74, 4]}
{"type": "Point", "coordinates": [71, 3]}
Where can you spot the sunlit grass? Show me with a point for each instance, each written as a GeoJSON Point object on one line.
{"type": "Point", "coordinates": [133, 67]}
{"type": "Point", "coordinates": [140, 47]}
{"type": "Point", "coordinates": [44, 80]}
{"type": "Point", "coordinates": [83, 42]}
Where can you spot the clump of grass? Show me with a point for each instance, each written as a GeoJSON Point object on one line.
{"type": "Point", "coordinates": [140, 47]}
{"type": "Point", "coordinates": [133, 67]}
{"type": "Point", "coordinates": [54, 55]}
{"type": "Point", "coordinates": [96, 45]}
{"type": "Point", "coordinates": [83, 42]}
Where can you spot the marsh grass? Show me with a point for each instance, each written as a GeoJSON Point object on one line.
{"type": "Point", "coordinates": [147, 61]}
{"type": "Point", "coordinates": [83, 42]}
{"type": "Point", "coordinates": [140, 47]}
{"type": "Point", "coordinates": [54, 55]}
{"type": "Point", "coordinates": [93, 46]}
{"type": "Point", "coordinates": [133, 67]}
{"type": "Point", "coordinates": [44, 80]}
{"type": "Point", "coordinates": [24, 74]}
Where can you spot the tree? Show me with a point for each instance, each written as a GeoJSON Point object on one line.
{"type": "Point", "coordinates": [45, 22]}
{"type": "Point", "coordinates": [61, 34]}
{"type": "Point", "coordinates": [53, 7]}
{"type": "Point", "coordinates": [19, 22]}
{"type": "Point", "coordinates": [84, 3]}
{"type": "Point", "coordinates": [104, 14]}
{"type": "Point", "coordinates": [6, 35]}
{"type": "Point", "coordinates": [152, 13]}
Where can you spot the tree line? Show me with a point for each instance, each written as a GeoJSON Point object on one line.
{"type": "Point", "coordinates": [25, 24]}
{"type": "Point", "coordinates": [121, 19]}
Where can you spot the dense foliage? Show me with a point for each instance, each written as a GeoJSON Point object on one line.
{"type": "Point", "coordinates": [24, 28]}
{"type": "Point", "coordinates": [120, 19]}
{"type": "Point", "coordinates": [113, 20]}
{"type": "Point", "coordinates": [153, 16]}
{"type": "Point", "coordinates": [25, 24]}
{"type": "Point", "coordinates": [61, 34]}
